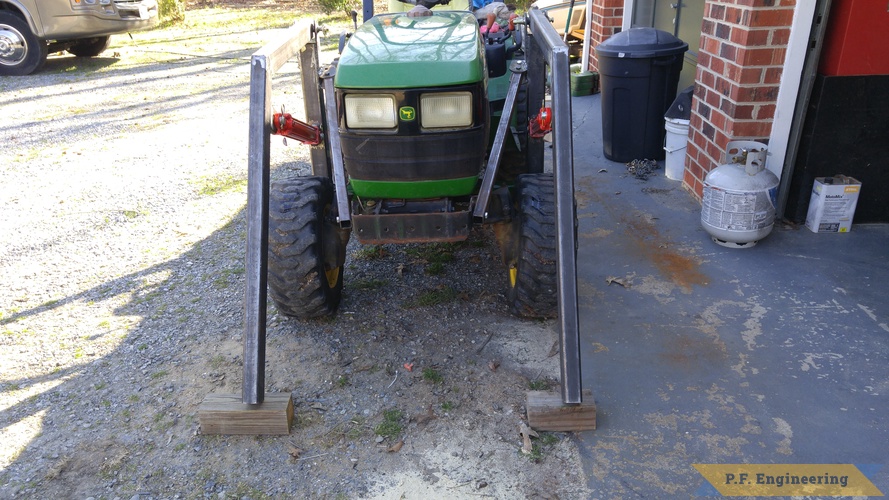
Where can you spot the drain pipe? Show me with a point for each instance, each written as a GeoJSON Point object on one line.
{"type": "Point", "coordinates": [587, 24]}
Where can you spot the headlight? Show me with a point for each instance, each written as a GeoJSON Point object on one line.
{"type": "Point", "coordinates": [370, 111]}
{"type": "Point", "coordinates": [448, 109]}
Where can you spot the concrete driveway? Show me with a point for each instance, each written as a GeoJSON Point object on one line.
{"type": "Point", "coordinates": [697, 353]}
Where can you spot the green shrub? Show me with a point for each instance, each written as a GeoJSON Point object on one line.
{"type": "Point", "coordinates": [330, 6]}
{"type": "Point", "coordinates": [171, 11]}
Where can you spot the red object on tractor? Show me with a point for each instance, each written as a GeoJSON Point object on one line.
{"type": "Point", "coordinates": [542, 124]}
{"type": "Point", "coordinates": [288, 126]}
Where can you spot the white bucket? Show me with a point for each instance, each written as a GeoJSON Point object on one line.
{"type": "Point", "coordinates": [675, 143]}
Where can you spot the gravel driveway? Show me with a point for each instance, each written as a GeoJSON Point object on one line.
{"type": "Point", "coordinates": [121, 306]}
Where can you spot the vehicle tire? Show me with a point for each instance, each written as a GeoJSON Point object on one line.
{"type": "Point", "coordinates": [21, 52]}
{"type": "Point", "coordinates": [531, 260]}
{"type": "Point", "coordinates": [307, 249]}
{"type": "Point", "coordinates": [90, 47]}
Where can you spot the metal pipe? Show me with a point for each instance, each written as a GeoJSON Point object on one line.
{"type": "Point", "coordinates": [344, 216]}
{"type": "Point", "coordinates": [258, 147]}
{"type": "Point", "coordinates": [534, 153]}
{"type": "Point", "coordinates": [312, 99]}
{"type": "Point", "coordinates": [566, 229]}
{"type": "Point", "coordinates": [518, 69]}
{"type": "Point", "coordinates": [587, 35]}
{"type": "Point", "coordinates": [263, 64]}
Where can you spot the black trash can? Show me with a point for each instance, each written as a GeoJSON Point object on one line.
{"type": "Point", "coordinates": [639, 72]}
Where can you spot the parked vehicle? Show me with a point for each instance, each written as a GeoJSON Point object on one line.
{"type": "Point", "coordinates": [32, 29]}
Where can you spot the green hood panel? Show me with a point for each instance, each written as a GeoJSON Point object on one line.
{"type": "Point", "coordinates": [394, 51]}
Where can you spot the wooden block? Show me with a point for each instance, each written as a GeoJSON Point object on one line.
{"type": "Point", "coordinates": [546, 412]}
{"type": "Point", "coordinates": [226, 414]}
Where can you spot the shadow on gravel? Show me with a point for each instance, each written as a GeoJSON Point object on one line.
{"type": "Point", "coordinates": [88, 424]}
{"type": "Point", "coordinates": [95, 432]}
{"type": "Point", "coordinates": [63, 63]}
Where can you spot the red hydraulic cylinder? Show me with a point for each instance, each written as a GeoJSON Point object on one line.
{"type": "Point", "coordinates": [288, 126]}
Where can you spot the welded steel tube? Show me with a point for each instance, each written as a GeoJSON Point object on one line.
{"type": "Point", "coordinates": [563, 170]}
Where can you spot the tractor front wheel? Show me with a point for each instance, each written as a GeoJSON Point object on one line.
{"type": "Point", "coordinates": [531, 259]}
{"type": "Point", "coordinates": [307, 249]}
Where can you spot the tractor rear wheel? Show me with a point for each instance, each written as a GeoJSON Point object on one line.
{"type": "Point", "coordinates": [531, 260]}
{"type": "Point", "coordinates": [307, 249]}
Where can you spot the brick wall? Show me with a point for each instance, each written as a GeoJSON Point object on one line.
{"type": "Point", "coordinates": [743, 44]}
{"type": "Point", "coordinates": [606, 20]}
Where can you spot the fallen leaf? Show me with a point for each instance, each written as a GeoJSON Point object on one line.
{"type": "Point", "coordinates": [526, 433]}
{"type": "Point", "coordinates": [317, 406]}
{"type": "Point", "coordinates": [494, 364]}
{"type": "Point", "coordinates": [395, 447]}
{"type": "Point", "coordinates": [599, 347]}
{"type": "Point", "coordinates": [409, 367]}
{"type": "Point", "coordinates": [294, 451]}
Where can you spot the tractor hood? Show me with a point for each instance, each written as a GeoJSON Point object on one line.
{"type": "Point", "coordinates": [394, 51]}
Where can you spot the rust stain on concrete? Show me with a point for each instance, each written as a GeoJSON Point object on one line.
{"type": "Point", "coordinates": [683, 270]}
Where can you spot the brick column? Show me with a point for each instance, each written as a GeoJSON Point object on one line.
{"type": "Point", "coordinates": [606, 20]}
{"type": "Point", "coordinates": [743, 45]}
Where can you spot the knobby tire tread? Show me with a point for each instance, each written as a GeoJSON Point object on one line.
{"type": "Point", "coordinates": [296, 278]}
{"type": "Point", "coordinates": [535, 293]}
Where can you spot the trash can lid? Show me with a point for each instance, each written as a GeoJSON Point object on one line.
{"type": "Point", "coordinates": [681, 107]}
{"type": "Point", "coordinates": [639, 43]}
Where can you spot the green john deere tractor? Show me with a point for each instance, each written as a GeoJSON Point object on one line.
{"type": "Point", "coordinates": [418, 102]}
{"type": "Point", "coordinates": [428, 123]}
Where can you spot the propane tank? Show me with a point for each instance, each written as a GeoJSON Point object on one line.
{"type": "Point", "coordinates": [738, 208]}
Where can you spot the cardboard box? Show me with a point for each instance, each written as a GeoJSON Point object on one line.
{"type": "Point", "coordinates": [832, 205]}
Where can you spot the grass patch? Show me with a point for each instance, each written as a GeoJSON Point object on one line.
{"type": "Point", "coordinates": [538, 385]}
{"type": "Point", "coordinates": [435, 269]}
{"type": "Point", "coordinates": [209, 186]}
{"type": "Point", "coordinates": [536, 454]}
{"type": "Point", "coordinates": [545, 441]}
{"type": "Point", "coordinates": [548, 439]}
{"type": "Point", "coordinates": [356, 428]}
{"type": "Point", "coordinates": [369, 252]}
{"type": "Point", "coordinates": [217, 361]}
{"type": "Point", "coordinates": [237, 19]}
{"type": "Point", "coordinates": [435, 255]}
{"type": "Point", "coordinates": [390, 427]}
{"type": "Point", "coordinates": [432, 375]}
{"type": "Point", "coordinates": [448, 406]}
{"type": "Point", "coordinates": [222, 280]}
{"type": "Point", "coordinates": [367, 284]}
{"type": "Point", "coordinates": [435, 252]}
{"type": "Point", "coordinates": [433, 298]}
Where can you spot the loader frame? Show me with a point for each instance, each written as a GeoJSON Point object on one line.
{"type": "Point", "coordinates": [544, 48]}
